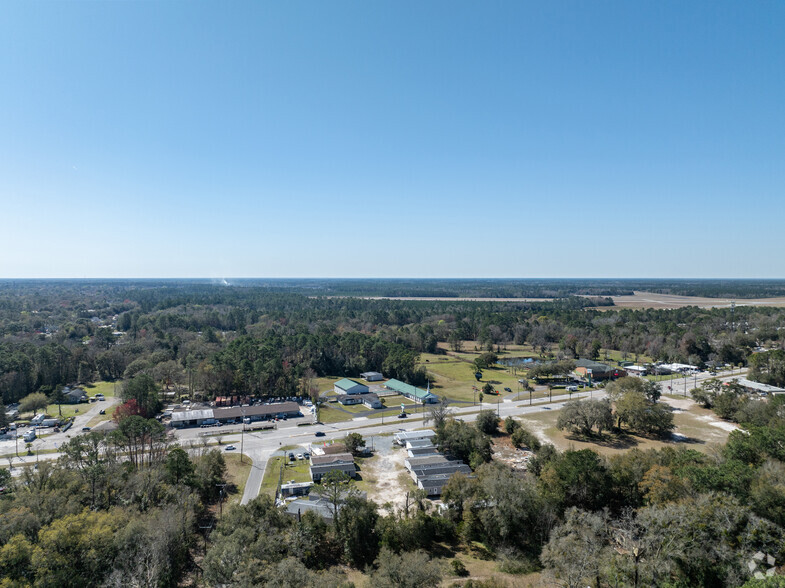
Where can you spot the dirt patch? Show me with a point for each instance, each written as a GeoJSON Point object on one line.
{"type": "Point", "coordinates": [386, 472]}
{"type": "Point", "coordinates": [669, 301]}
{"type": "Point", "coordinates": [679, 403]}
{"type": "Point", "coordinates": [724, 425]}
{"type": "Point", "coordinates": [517, 459]}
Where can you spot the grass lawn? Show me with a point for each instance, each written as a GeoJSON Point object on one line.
{"type": "Point", "coordinates": [454, 379]}
{"type": "Point", "coordinates": [329, 414]}
{"type": "Point", "coordinates": [105, 388]}
{"type": "Point", "coordinates": [236, 476]}
{"type": "Point", "coordinates": [68, 410]}
{"type": "Point", "coordinates": [693, 424]}
{"type": "Point", "coordinates": [354, 408]}
{"type": "Point", "coordinates": [299, 471]}
{"type": "Point", "coordinates": [326, 383]}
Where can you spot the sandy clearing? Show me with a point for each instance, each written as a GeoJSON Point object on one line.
{"type": "Point", "coordinates": [386, 471]}
{"type": "Point", "coordinates": [666, 301]}
{"type": "Point", "coordinates": [679, 403]}
{"type": "Point", "coordinates": [724, 425]}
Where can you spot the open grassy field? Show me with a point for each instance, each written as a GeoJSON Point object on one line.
{"type": "Point", "coordinates": [454, 378]}
{"type": "Point", "coordinates": [64, 410]}
{"type": "Point", "coordinates": [329, 413]}
{"type": "Point", "coordinates": [298, 471]}
{"type": "Point", "coordinates": [326, 383]}
{"type": "Point", "coordinates": [699, 427]}
{"type": "Point", "coordinates": [105, 388]}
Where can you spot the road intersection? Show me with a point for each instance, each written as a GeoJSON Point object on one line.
{"type": "Point", "coordinates": [259, 445]}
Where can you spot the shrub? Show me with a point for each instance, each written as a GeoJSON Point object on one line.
{"type": "Point", "coordinates": [523, 438]}
{"type": "Point", "coordinates": [458, 568]}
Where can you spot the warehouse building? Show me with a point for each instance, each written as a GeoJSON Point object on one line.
{"type": "Point", "coordinates": [347, 386]}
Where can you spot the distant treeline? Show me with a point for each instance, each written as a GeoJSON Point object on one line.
{"type": "Point", "coordinates": [216, 339]}
{"type": "Point", "coordinates": [431, 288]}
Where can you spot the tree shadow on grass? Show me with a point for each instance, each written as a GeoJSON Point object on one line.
{"type": "Point", "coordinates": [611, 441]}
{"type": "Point", "coordinates": [626, 440]}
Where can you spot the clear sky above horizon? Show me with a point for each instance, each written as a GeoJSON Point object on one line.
{"type": "Point", "coordinates": [392, 139]}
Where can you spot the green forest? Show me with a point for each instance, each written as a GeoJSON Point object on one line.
{"type": "Point", "coordinates": [132, 508]}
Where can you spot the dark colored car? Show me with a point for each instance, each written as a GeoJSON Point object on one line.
{"type": "Point", "coordinates": [319, 433]}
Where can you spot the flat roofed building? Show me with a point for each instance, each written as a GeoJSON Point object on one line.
{"type": "Point", "coordinates": [434, 484]}
{"type": "Point", "coordinates": [296, 489]}
{"type": "Point", "coordinates": [758, 387]}
{"type": "Point", "coordinates": [257, 412]}
{"type": "Point", "coordinates": [425, 459]}
{"type": "Point", "coordinates": [347, 386]}
{"type": "Point", "coordinates": [439, 468]}
{"type": "Point", "coordinates": [403, 436]}
{"type": "Point", "coordinates": [191, 418]}
{"type": "Point", "coordinates": [418, 451]}
{"type": "Point", "coordinates": [412, 443]}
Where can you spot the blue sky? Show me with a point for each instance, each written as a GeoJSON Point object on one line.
{"type": "Point", "coordinates": [392, 139]}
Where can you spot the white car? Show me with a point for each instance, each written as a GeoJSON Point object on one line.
{"type": "Point", "coordinates": [230, 448]}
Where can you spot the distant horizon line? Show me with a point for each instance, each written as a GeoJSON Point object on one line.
{"type": "Point", "coordinates": [321, 278]}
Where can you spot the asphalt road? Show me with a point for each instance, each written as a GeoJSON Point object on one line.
{"type": "Point", "coordinates": [51, 440]}
{"type": "Point", "coordinates": [260, 445]}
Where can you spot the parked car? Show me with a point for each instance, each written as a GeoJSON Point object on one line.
{"type": "Point", "coordinates": [291, 456]}
{"type": "Point", "coordinates": [85, 429]}
{"type": "Point", "coordinates": [102, 411]}
{"type": "Point", "coordinates": [299, 456]}
{"type": "Point", "coordinates": [572, 388]}
{"type": "Point", "coordinates": [507, 390]}
{"type": "Point", "coordinates": [230, 448]}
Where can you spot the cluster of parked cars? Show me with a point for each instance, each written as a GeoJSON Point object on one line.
{"type": "Point", "coordinates": [294, 457]}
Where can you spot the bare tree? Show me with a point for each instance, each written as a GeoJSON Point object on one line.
{"type": "Point", "coordinates": [438, 413]}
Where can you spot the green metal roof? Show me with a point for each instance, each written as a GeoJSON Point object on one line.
{"type": "Point", "coordinates": [346, 384]}
{"type": "Point", "coordinates": [408, 389]}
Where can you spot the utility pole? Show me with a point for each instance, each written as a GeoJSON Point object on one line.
{"type": "Point", "coordinates": [221, 499]}
{"type": "Point", "coordinates": [206, 526]}
{"type": "Point", "coordinates": [242, 435]}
